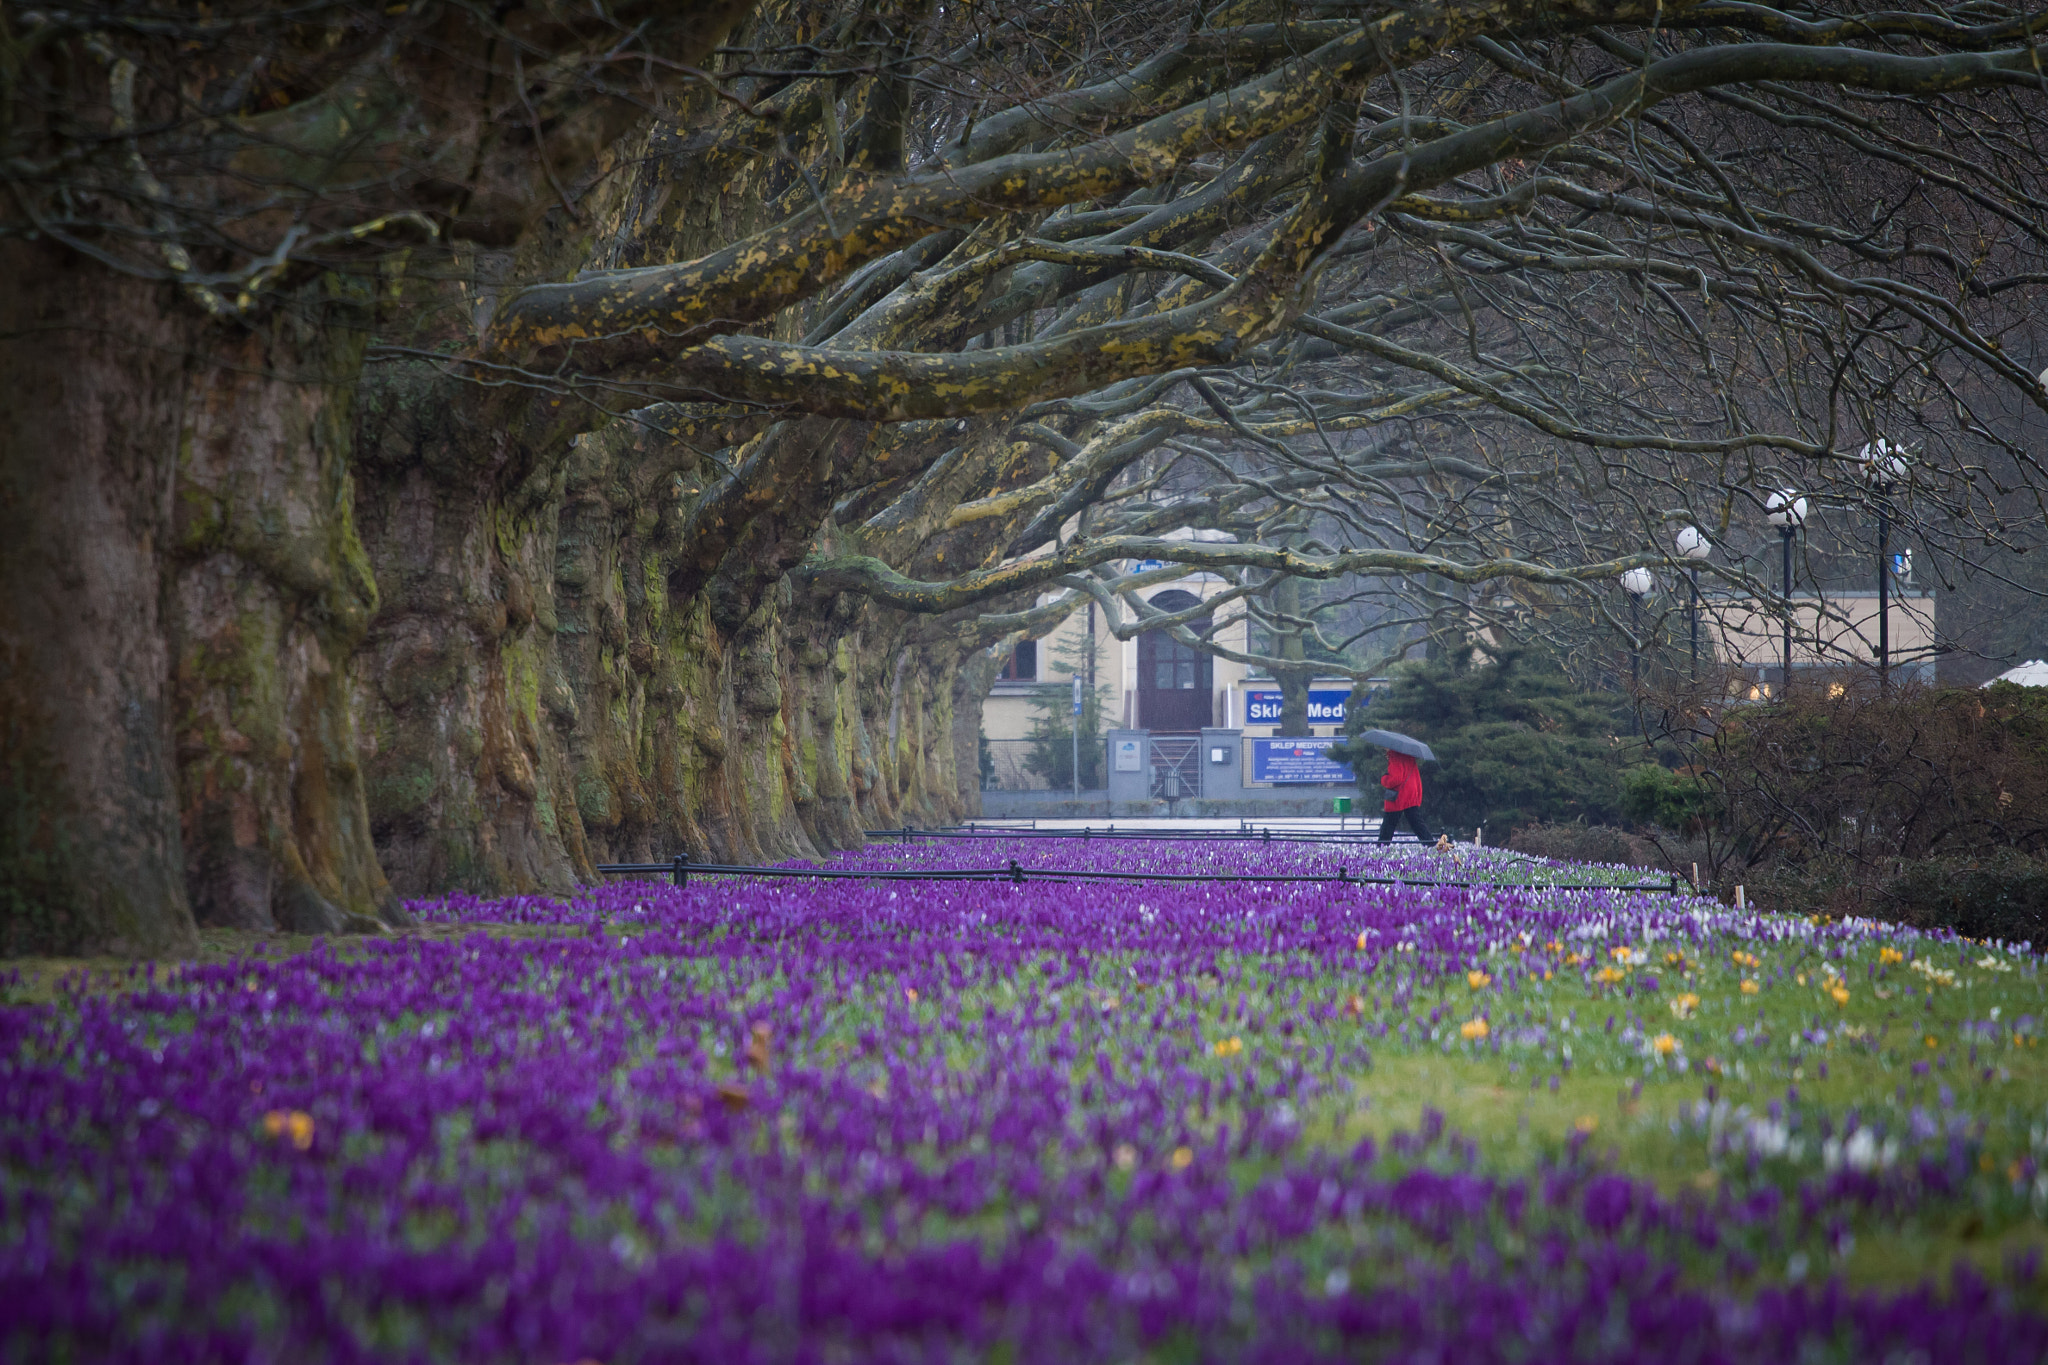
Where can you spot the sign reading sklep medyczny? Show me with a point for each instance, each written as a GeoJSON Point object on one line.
{"type": "Point", "coordinates": [1297, 760]}
{"type": "Point", "coordinates": [1325, 706]}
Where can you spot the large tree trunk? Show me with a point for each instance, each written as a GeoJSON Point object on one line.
{"type": "Point", "coordinates": [205, 705]}
{"type": "Point", "coordinates": [271, 592]}
{"type": "Point", "coordinates": [972, 679]}
{"type": "Point", "coordinates": [94, 368]}
{"type": "Point", "coordinates": [183, 593]}
{"type": "Point", "coordinates": [459, 687]}
{"type": "Point", "coordinates": [542, 700]}
{"type": "Point", "coordinates": [538, 699]}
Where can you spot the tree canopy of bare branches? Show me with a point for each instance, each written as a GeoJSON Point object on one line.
{"type": "Point", "coordinates": [585, 431]}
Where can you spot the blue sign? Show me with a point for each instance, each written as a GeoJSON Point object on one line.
{"type": "Point", "coordinates": [1298, 760]}
{"type": "Point", "coordinates": [1325, 707]}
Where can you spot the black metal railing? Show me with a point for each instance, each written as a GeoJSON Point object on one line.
{"type": "Point", "coordinates": [1260, 834]}
{"type": "Point", "coordinates": [680, 868]}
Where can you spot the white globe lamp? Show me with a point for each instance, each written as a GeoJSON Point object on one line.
{"type": "Point", "coordinates": [1882, 462]}
{"type": "Point", "coordinates": [1785, 510]}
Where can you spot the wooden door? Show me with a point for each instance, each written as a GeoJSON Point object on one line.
{"type": "Point", "coordinates": [1176, 682]}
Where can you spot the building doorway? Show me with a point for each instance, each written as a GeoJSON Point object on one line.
{"type": "Point", "coordinates": [1176, 683]}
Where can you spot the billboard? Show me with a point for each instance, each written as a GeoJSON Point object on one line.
{"type": "Point", "coordinates": [1325, 706]}
{"type": "Point", "coordinates": [1298, 760]}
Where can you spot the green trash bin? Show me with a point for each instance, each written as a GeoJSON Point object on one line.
{"type": "Point", "coordinates": [1343, 805]}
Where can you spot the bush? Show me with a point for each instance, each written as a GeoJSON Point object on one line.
{"type": "Point", "coordinates": [1516, 742]}
{"type": "Point", "coordinates": [1829, 800]}
{"type": "Point", "coordinates": [1052, 752]}
{"type": "Point", "coordinates": [1652, 794]}
{"type": "Point", "coordinates": [2001, 895]}
{"type": "Point", "coordinates": [1871, 778]}
{"type": "Point", "coordinates": [1051, 755]}
{"type": "Point", "coordinates": [1586, 844]}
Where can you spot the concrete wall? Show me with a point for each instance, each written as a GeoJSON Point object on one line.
{"type": "Point", "coordinates": [1130, 788]}
{"type": "Point", "coordinates": [1223, 791]}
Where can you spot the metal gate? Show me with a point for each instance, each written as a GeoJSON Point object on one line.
{"type": "Point", "coordinates": [1175, 771]}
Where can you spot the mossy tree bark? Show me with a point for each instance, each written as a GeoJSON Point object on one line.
{"type": "Point", "coordinates": [184, 588]}
{"type": "Point", "coordinates": [588, 647]}
{"type": "Point", "coordinates": [186, 593]}
{"type": "Point", "coordinates": [271, 590]}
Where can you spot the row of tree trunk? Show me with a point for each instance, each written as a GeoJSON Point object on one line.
{"type": "Point", "coordinates": [285, 639]}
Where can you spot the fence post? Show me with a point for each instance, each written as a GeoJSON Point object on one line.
{"type": "Point", "coordinates": [679, 870]}
{"type": "Point", "coordinates": [1016, 873]}
{"type": "Point", "coordinates": [1674, 883]}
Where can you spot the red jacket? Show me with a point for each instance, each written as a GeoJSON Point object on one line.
{"type": "Point", "coordinates": [1403, 782]}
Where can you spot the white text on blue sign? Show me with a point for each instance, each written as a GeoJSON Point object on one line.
{"type": "Point", "coordinates": [1325, 707]}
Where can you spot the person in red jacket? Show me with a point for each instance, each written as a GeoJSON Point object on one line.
{"type": "Point", "coordinates": [1403, 783]}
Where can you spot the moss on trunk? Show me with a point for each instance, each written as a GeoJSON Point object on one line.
{"type": "Point", "coordinates": [271, 591]}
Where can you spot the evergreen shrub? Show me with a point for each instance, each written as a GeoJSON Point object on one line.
{"type": "Point", "coordinates": [1516, 740]}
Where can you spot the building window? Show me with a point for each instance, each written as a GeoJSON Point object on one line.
{"type": "Point", "coordinates": [1176, 666]}
{"type": "Point", "coordinates": [1022, 665]}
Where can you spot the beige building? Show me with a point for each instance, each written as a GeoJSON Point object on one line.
{"type": "Point", "coordinates": [1150, 682]}
{"type": "Point", "coordinates": [1833, 630]}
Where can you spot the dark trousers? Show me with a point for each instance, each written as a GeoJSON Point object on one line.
{"type": "Point", "coordinates": [1391, 818]}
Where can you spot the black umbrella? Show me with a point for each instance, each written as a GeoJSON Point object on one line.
{"type": "Point", "coordinates": [1399, 743]}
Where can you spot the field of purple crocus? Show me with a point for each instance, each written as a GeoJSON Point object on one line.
{"type": "Point", "coordinates": [1101, 1121]}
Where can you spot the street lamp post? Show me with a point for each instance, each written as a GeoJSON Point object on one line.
{"type": "Point", "coordinates": [1786, 510]}
{"type": "Point", "coordinates": [1077, 736]}
{"type": "Point", "coordinates": [1639, 583]}
{"type": "Point", "coordinates": [1693, 545]}
{"type": "Point", "coordinates": [1884, 464]}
